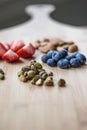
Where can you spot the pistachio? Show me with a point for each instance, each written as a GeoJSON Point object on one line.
{"type": "Point", "coordinates": [41, 73]}
{"type": "Point", "coordinates": [26, 75]}
{"type": "Point", "coordinates": [20, 73]}
{"type": "Point", "coordinates": [26, 68]}
{"type": "Point", "coordinates": [1, 76]}
{"type": "Point", "coordinates": [35, 79]}
{"type": "Point", "coordinates": [32, 62]}
{"type": "Point", "coordinates": [44, 76]}
{"type": "Point", "coordinates": [34, 69]}
{"type": "Point", "coordinates": [39, 82]}
{"type": "Point", "coordinates": [61, 82]}
{"type": "Point", "coordinates": [1, 71]}
{"type": "Point", "coordinates": [38, 65]}
{"type": "Point", "coordinates": [48, 81]}
{"type": "Point", "coordinates": [23, 78]}
{"type": "Point", "coordinates": [31, 74]}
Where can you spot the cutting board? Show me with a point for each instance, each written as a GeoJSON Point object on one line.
{"type": "Point", "coordinates": [27, 107]}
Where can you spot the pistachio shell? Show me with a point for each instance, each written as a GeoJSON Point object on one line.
{"type": "Point", "coordinates": [26, 68]}
{"type": "Point", "coordinates": [41, 73]}
{"type": "Point", "coordinates": [22, 78]}
{"type": "Point", "coordinates": [38, 65]}
{"type": "Point", "coordinates": [20, 73]}
{"type": "Point", "coordinates": [32, 62]}
{"type": "Point", "coordinates": [31, 74]}
{"type": "Point", "coordinates": [39, 82]}
{"type": "Point", "coordinates": [35, 79]}
{"type": "Point", "coordinates": [61, 82]}
{"type": "Point", "coordinates": [44, 76]}
{"type": "Point", "coordinates": [34, 69]}
{"type": "Point", "coordinates": [48, 81]}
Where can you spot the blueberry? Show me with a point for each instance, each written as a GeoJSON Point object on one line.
{"type": "Point", "coordinates": [63, 53]}
{"type": "Point", "coordinates": [74, 62]}
{"type": "Point", "coordinates": [70, 56]}
{"type": "Point", "coordinates": [56, 55]}
{"type": "Point", "coordinates": [51, 62]}
{"type": "Point", "coordinates": [49, 54]}
{"type": "Point", "coordinates": [63, 63]}
{"type": "Point", "coordinates": [44, 58]}
{"type": "Point", "coordinates": [81, 58]}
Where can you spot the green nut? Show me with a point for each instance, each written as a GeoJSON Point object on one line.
{"type": "Point", "coordinates": [38, 65]}
{"type": "Point", "coordinates": [41, 73]}
{"type": "Point", "coordinates": [39, 82]}
{"type": "Point", "coordinates": [48, 81]}
{"type": "Point", "coordinates": [1, 76]}
{"type": "Point", "coordinates": [20, 73]}
{"type": "Point", "coordinates": [44, 76]}
{"type": "Point", "coordinates": [31, 74]}
{"type": "Point", "coordinates": [23, 78]}
{"type": "Point", "coordinates": [26, 75]}
{"type": "Point", "coordinates": [34, 69]}
{"type": "Point", "coordinates": [1, 71]}
{"type": "Point", "coordinates": [35, 79]}
{"type": "Point", "coordinates": [26, 68]}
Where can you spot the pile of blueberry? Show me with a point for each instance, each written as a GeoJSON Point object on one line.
{"type": "Point", "coordinates": [64, 60]}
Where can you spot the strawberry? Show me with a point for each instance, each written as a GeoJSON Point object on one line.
{"type": "Point", "coordinates": [26, 51]}
{"type": "Point", "coordinates": [2, 50]}
{"type": "Point", "coordinates": [6, 45]}
{"type": "Point", "coordinates": [10, 56]}
{"type": "Point", "coordinates": [16, 45]}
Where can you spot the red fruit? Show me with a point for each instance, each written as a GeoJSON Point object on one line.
{"type": "Point", "coordinates": [26, 51]}
{"type": "Point", "coordinates": [10, 56]}
{"type": "Point", "coordinates": [6, 45]}
{"type": "Point", "coordinates": [2, 50]}
{"type": "Point", "coordinates": [16, 45]}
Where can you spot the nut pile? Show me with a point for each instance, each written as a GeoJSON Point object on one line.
{"type": "Point", "coordinates": [64, 60]}
{"type": "Point", "coordinates": [2, 74]}
{"type": "Point", "coordinates": [55, 44]}
{"type": "Point", "coordinates": [35, 73]}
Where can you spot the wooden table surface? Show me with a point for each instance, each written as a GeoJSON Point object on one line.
{"type": "Point", "coordinates": [27, 107]}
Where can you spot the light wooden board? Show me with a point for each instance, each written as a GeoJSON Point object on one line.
{"type": "Point", "coordinates": [27, 107]}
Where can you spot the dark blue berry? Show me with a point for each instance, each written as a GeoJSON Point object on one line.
{"type": "Point", "coordinates": [51, 62]}
{"type": "Point", "coordinates": [63, 53]}
{"type": "Point", "coordinates": [81, 58]}
{"type": "Point", "coordinates": [74, 62]}
{"type": "Point", "coordinates": [56, 55]}
{"type": "Point", "coordinates": [70, 56]}
{"type": "Point", "coordinates": [44, 58]}
{"type": "Point", "coordinates": [49, 53]}
{"type": "Point", "coordinates": [63, 63]}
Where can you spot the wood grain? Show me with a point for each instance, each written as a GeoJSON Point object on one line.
{"type": "Point", "coordinates": [27, 107]}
